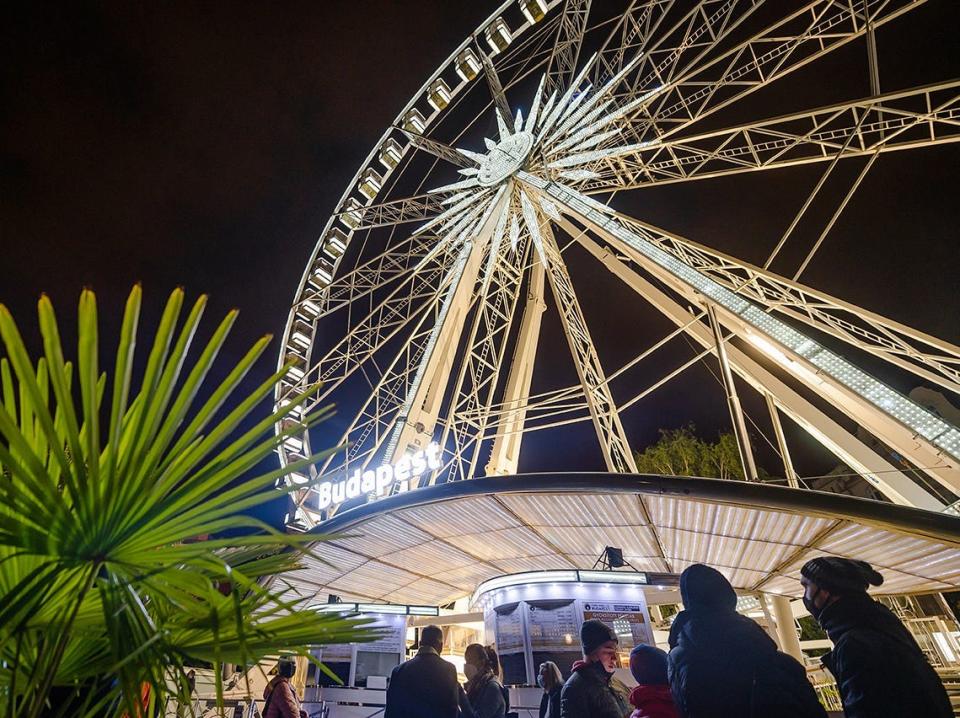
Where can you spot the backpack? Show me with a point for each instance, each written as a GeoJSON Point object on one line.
{"type": "Point", "coordinates": [780, 688]}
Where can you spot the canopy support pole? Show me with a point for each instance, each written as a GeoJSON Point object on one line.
{"type": "Point", "coordinates": [786, 627]}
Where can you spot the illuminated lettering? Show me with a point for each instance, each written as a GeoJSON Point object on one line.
{"type": "Point", "coordinates": [368, 483]}
{"type": "Point", "coordinates": [324, 490]}
{"type": "Point", "coordinates": [378, 481]}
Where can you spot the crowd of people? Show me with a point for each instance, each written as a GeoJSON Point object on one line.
{"type": "Point", "coordinates": [720, 663]}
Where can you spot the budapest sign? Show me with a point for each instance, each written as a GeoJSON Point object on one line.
{"type": "Point", "coordinates": [378, 481]}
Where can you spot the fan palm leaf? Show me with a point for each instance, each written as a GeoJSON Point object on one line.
{"type": "Point", "coordinates": [105, 484]}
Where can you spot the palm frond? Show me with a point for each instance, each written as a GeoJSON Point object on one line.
{"type": "Point", "coordinates": [105, 482]}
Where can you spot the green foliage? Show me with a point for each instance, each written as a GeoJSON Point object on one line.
{"type": "Point", "coordinates": [809, 629]}
{"type": "Point", "coordinates": [104, 484]}
{"type": "Point", "coordinates": [680, 452]}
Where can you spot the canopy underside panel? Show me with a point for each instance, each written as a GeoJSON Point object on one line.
{"type": "Point", "coordinates": [435, 545]}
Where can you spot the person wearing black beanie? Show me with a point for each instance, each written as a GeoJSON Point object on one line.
{"type": "Point", "coordinates": [723, 664]}
{"type": "Point", "coordinates": [879, 668]}
{"type": "Point", "coordinates": [587, 692]}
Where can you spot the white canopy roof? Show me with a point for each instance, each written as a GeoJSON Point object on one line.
{"type": "Point", "coordinates": [434, 545]}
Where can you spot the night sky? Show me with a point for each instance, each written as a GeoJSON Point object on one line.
{"type": "Point", "coordinates": [205, 145]}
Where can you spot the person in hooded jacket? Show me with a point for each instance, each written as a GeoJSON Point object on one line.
{"type": "Point", "coordinates": [651, 697]}
{"type": "Point", "coordinates": [879, 668]}
{"type": "Point", "coordinates": [280, 698]}
{"type": "Point", "coordinates": [723, 664]}
{"type": "Point", "coordinates": [587, 692]}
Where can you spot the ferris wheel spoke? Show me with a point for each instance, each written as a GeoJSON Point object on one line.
{"type": "Point", "coordinates": [632, 34]}
{"type": "Point", "coordinates": [437, 149]}
{"type": "Point", "coordinates": [397, 211]}
{"type": "Point", "coordinates": [817, 29]}
{"type": "Point", "coordinates": [408, 256]}
{"type": "Point", "coordinates": [373, 423]}
{"type": "Point", "coordinates": [566, 49]}
{"type": "Point", "coordinates": [913, 118]}
{"type": "Point", "coordinates": [496, 89]}
{"type": "Point", "coordinates": [381, 324]}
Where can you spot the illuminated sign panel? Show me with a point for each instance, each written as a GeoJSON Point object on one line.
{"type": "Point", "coordinates": [378, 481]}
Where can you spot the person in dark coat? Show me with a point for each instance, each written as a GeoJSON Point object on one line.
{"type": "Point", "coordinates": [587, 692]}
{"type": "Point", "coordinates": [651, 698]}
{"type": "Point", "coordinates": [550, 680]}
{"type": "Point", "coordinates": [484, 693]}
{"type": "Point", "coordinates": [879, 668]}
{"type": "Point", "coordinates": [722, 664]}
{"type": "Point", "coordinates": [426, 685]}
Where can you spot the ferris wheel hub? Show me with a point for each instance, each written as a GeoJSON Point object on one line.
{"type": "Point", "coordinates": [506, 157]}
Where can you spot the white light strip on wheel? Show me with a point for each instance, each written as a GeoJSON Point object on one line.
{"type": "Point", "coordinates": [885, 399]}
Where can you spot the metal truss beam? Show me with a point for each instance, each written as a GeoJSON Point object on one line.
{"type": "Point", "coordinates": [399, 211]}
{"type": "Point", "coordinates": [733, 399]}
{"type": "Point", "coordinates": [889, 479]}
{"type": "Point", "coordinates": [496, 89]}
{"type": "Point", "coordinates": [678, 49]}
{"type": "Point", "coordinates": [929, 442]}
{"type": "Point", "coordinates": [437, 149]}
{"type": "Point", "coordinates": [603, 410]}
{"type": "Point", "coordinates": [913, 118]}
{"type": "Point", "coordinates": [818, 28]}
{"type": "Point", "coordinates": [566, 49]}
{"type": "Point", "coordinates": [632, 33]}
{"type": "Point", "coordinates": [397, 261]}
{"type": "Point", "coordinates": [789, 472]}
{"type": "Point", "coordinates": [379, 326]}
{"type": "Point", "coordinates": [925, 356]}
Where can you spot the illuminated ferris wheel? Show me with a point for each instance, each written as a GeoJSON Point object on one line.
{"type": "Point", "coordinates": [420, 311]}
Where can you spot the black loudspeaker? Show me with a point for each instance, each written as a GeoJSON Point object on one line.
{"type": "Point", "coordinates": [614, 557]}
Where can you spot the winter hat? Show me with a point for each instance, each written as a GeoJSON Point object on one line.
{"type": "Point", "coordinates": [594, 633]}
{"type": "Point", "coordinates": [648, 664]}
{"type": "Point", "coordinates": [841, 575]}
{"type": "Point", "coordinates": [703, 588]}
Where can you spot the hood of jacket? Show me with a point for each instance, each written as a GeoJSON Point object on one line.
{"type": "Point", "coordinates": [652, 702]}
{"type": "Point", "coordinates": [724, 633]}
